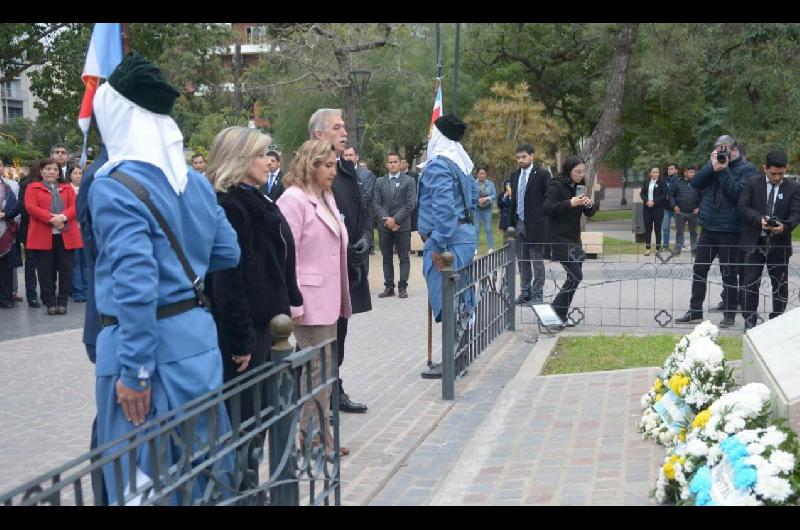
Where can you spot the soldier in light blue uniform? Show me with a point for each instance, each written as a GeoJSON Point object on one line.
{"type": "Point", "coordinates": [148, 365]}
{"type": "Point", "coordinates": [446, 209]}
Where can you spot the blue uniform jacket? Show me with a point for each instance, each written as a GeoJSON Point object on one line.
{"type": "Point", "coordinates": [136, 270]}
{"type": "Point", "coordinates": [720, 199]}
{"type": "Point", "coordinates": [441, 205]}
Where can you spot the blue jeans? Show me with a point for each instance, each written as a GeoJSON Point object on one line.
{"type": "Point", "coordinates": [668, 214]}
{"type": "Point", "coordinates": [79, 276]}
{"type": "Point", "coordinates": [484, 218]}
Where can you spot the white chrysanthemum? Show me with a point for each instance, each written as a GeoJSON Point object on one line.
{"type": "Point", "coordinates": [755, 461]}
{"type": "Point", "coordinates": [782, 460]}
{"type": "Point", "coordinates": [774, 489]}
{"type": "Point", "coordinates": [758, 389]}
{"type": "Point", "coordinates": [696, 448]}
{"type": "Point", "coordinates": [773, 437]}
{"type": "Point", "coordinates": [714, 454]}
{"type": "Point", "coordinates": [755, 448]}
{"type": "Point", "coordinates": [750, 500]}
{"type": "Point", "coordinates": [748, 436]}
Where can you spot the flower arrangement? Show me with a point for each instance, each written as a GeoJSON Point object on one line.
{"type": "Point", "coordinates": [746, 408]}
{"type": "Point", "coordinates": [695, 374]}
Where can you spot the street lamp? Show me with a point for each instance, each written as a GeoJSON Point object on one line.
{"type": "Point", "coordinates": [359, 80]}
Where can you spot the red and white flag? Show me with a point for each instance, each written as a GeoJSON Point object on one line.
{"type": "Point", "coordinates": [437, 106]}
{"type": "Point", "coordinates": [104, 54]}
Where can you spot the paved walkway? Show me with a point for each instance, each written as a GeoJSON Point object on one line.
{"type": "Point", "coordinates": [510, 437]}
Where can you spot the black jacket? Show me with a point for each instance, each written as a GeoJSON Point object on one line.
{"type": "Point", "coordinates": [684, 196]}
{"type": "Point", "coordinates": [753, 207]}
{"type": "Point", "coordinates": [659, 193]}
{"type": "Point", "coordinates": [535, 219]}
{"type": "Point", "coordinates": [504, 206]}
{"type": "Point", "coordinates": [25, 219]}
{"type": "Point", "coordinates": [264, 284]}
{"type": "Point", "coordinates": [564, 227]}
{"type": "Point", "coordinates": [721, 193]}
{"type": "Point", "coordinates": [350, 203]}
{"type": "Point", "coordinates": [277, 187]}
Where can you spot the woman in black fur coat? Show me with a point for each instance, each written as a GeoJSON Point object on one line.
{"type": "Point", "coordinates": [264, 284]}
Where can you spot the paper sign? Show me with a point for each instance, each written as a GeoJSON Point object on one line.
{"type": "Point", "coordinates": [547, 315]}
{"type": "Point", "coordinates": [723, 492]}
{"type": "Point", "coordinates": [673, 411]}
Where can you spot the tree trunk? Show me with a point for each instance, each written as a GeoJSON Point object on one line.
{"type": "Point", "coordinates": [606, 133]}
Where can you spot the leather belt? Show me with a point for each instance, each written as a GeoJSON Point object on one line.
{"type": "Point", "coordinates": [169, 310]}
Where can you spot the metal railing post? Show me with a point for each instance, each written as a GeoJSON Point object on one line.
{"type": "Point", "coordinates": [448, 327]}
{"type": "Point", "coordinates": [287, 494]}
{"type": "Point", "coordinates": [511, 274]}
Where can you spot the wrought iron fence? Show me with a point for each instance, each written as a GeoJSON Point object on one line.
{"type": "Point", "coordinates": [623, 288]}
{"type": "Point", "coordinates": [477, 306]}
{"type": "Point", "coordinates": [220, 466]}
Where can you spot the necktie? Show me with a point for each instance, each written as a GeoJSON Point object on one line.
{"type": "Point", "coordinates": [771, 201]}
{"type": "Point", "coordinates": [271, 182]}
{"type": "Point", "coordinates": [523, 183]}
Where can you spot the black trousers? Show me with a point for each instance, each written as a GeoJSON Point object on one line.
{"type": "Point", "coordinates": [55, 265]}
{"type": "Point", "coordinates": [653, 217]}
{"type": "Point", "coordinates": [341, 333]}
{"type": "Point", "coordinates": [563, 299]}
{"type": "Point", "coordinates": [777, 261]}
{"type": "Point", "coordinates": [30, 275]}
{"type": "Point", "coordinates": [721, 245]}
{"type": "Point", "coordinates": [388, 240]}
{"type": "Point", "coordinates": [6, 279]}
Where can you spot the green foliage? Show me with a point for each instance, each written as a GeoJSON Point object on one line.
{"type": "Point", "coordinates": [290, 123]}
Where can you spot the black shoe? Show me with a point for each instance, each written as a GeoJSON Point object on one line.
{"type": "Point", "coordinates": [522, 300]}
{"type": "Point", "coordinates": [727, 322]}
{"type": "Point", "coordinates": [61, 310]}
{"type": "Point", "coordinates": [18, 298]}
{"type": "Point", "coordinates": [403, 293]}
{"type": "Point", "coordinates": [34, 304]}
{"type": "Point", "coordinates": [52, 311]}
{"type": "Point", "coordinates": [719, 307]}
{"type": "Point", "coordinates": [389, 291]}
{"type": "Point", "coordinates": [7, 305]}
{"type": "Point", "coordinates": [346, 405]}
{"type": "Point", "coordinates": [689, 318]}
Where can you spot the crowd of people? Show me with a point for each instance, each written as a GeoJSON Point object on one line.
{"type": "Point", "coordinates": [184, 266]}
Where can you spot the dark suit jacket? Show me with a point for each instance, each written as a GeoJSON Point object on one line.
{"type": "Point", "coordinates": [277, 187]}
{"type": "Point", "coordinates": [753, 207]}
{"type": "Point", "coordinates": [395, 199]}
{"type": "Point", "coordinates": [350, 203]}
{"type": "Point", "coordinates": [659, 193]}
{"type": "Point", "coordinates": [535, 191]}
{"type": "Point", "coordinates": [366, 179]}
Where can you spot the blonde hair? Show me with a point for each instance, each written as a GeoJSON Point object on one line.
{"type": "Point", "coordinates": [307, 159]}
{"type": "Point", "coordinates": [231, 154]}
{"type": "Point", "coordinates": [318, 120]}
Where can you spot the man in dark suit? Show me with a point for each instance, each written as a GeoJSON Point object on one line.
{"type": "Point", "coordinates": [273, 188]}
{"type": "Point", "coordinates": [770, 209]}
{"type": "Point", "coordinates": [328, 124]}
{"type": "Point", "coordinates": [60, 154]}
{"type": "Point", "coordinates": [395, 199]}
{"type": "Point", "coordinates": [528, 188]}
{"type": "Point", "coordinates": [407, 170]}
{"type": "Point", "coordinates": [366, 179]}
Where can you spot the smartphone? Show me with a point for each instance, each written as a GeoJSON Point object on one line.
{"type": "Point", "coordinates": [580, 190]}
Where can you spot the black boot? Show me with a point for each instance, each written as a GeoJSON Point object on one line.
{"type": "Point", "coordinates": [347, 405]}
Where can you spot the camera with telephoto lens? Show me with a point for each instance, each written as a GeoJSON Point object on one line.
{"type": "Point", "coordinates": [722, 154]}
{"type": "Point", "coordinates": [772, 221]}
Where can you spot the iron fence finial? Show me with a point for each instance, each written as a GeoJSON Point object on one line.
{"type": "Point", "coordinates": [281, 327]}
{"type": "Point", "coordinates": [447, 259]}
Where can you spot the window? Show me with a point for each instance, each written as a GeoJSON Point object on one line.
{"type": "Point", "coordinates": [256, 35]}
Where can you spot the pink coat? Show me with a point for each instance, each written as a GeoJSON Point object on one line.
{"type": "Point", "coordinates": [321, 257]}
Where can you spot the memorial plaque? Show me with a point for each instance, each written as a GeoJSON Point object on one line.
{"type": "Point", "coordinates": [771, 355]}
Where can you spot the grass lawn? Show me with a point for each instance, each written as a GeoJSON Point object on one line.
{"type": "Point", "coordinates": [612, 245]}
{"type": "Point", "coordinates": [612, 215]}
{"type": "Point", "coordinates": [605, 352]}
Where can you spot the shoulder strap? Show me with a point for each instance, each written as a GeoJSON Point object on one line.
{"type": "Point", "coordinates": [144, 196]}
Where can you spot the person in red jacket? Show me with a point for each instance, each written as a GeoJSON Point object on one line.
{"type": "Point", "coordinates": [53, 234]}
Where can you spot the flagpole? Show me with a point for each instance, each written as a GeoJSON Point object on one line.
{"type": "Point", "coordinates": [126, 38]}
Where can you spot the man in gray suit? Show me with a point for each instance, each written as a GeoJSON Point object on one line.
{"type": "Point", "coordinates": [395, 198]}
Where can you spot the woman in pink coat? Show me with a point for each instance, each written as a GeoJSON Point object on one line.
{"type": "Point", "coordinates": [320, 240]}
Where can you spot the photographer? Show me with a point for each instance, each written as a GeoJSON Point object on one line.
{"type": "Point", "coordinates": [721, 182]}
{"type": "Point", "coordinates": [770, 210]}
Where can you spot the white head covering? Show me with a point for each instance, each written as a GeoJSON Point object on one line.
{"type": "Point", "coordinates": [131, 132]}
{"type": "Point", "coordinates": [440, 144]}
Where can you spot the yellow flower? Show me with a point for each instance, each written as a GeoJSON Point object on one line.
{"type": "Point", "coordinates": [658, 397]}
{"type": "Point", "coordinates": [658, 385]}
{"type": "Point", "coordinates": [682, 435]}
{"type": "Point", "coordinates": [701, 419]}
{"type": "Point", "coordinates": [677, 383]}
{"type": "Point", "coordinates": [669, 471]}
